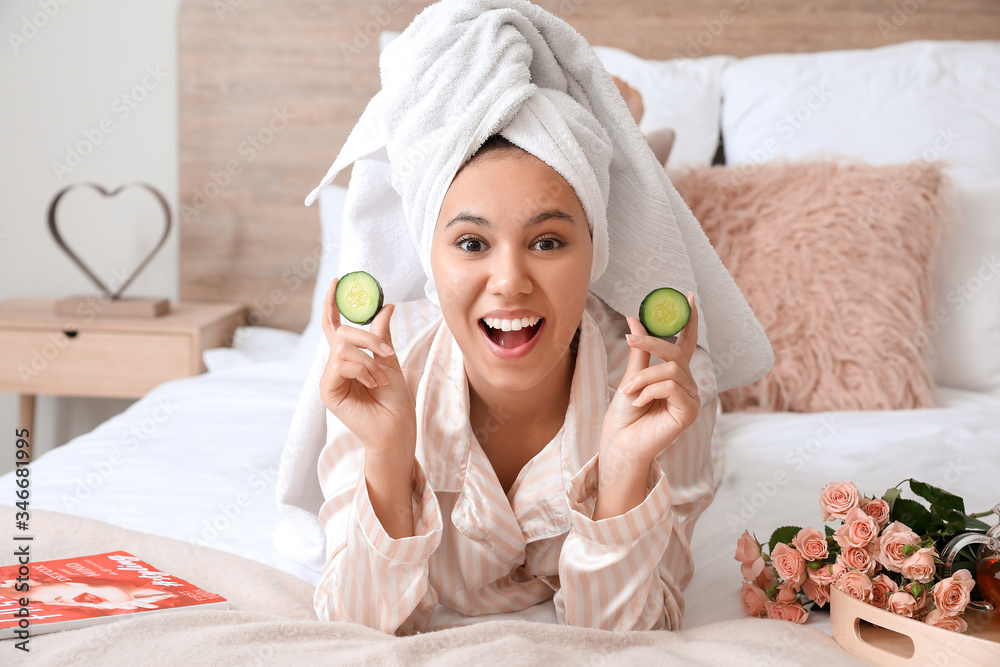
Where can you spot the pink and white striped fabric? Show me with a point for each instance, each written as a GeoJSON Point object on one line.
{"type": "Point", "coordinates": [479, 550]}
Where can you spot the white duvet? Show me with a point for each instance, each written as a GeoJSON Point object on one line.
{"type": "Point", "coordinates": [197, 459]}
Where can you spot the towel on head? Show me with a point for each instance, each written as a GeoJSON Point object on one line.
{"type": "Point", "coordinates": [465, 70]}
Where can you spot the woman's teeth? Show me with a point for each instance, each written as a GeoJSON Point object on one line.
{"type": "Point", "coordinates": [511, 325]}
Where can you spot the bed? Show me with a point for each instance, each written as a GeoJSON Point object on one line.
{"type": "Point", "coordinates": [870, 385]}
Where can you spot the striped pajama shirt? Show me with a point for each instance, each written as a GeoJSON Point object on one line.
{"type": "Point", "coordinates": [479, 550]}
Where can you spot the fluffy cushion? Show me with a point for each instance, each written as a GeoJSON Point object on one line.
{"type": "Point", "coordinates": [837, 261]}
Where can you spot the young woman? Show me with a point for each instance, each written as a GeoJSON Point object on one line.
{"type": "Point", "coordinates": [520, 447]}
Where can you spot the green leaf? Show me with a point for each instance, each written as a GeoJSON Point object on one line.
{"type": "Point", "coordinates": [911, 513]}
{"type": "Point", "coordinates": [783, 534]}
{"type": "Point", "coordinates": [937, 497]}
{"type": "Point", "coordinates": [891, 496]}
{"type": "Point", "coordinates": [830, 532]}
{"type": "Point", "coordinates": [976, 524]}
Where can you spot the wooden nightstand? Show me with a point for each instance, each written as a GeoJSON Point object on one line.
{"type": "Point", "coordinates": [45, 353]}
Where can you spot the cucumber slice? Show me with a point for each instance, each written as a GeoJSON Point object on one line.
{"type": "Point", "coordinates": [358, 297]}
{"type": "Point", "coordinates": [664, 312]}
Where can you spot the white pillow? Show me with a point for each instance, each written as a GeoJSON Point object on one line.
{"type": "Point", "coordinates": [682, 94]}
{"type": "Point", "coordinates": [887, 105]}
{"type": "Point", "coordinates": [965, 327]}
{"type": "Point", "coordinates": [331, 208]}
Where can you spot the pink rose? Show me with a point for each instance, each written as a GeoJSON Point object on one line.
{"type": "Point", "coordinates": [795, 613]}
{"type": "Point", "coordinates": [789, 563]}
{"type": "Point", "coordinates": [882, 588]}
{"type": "Point", "coordinates": [951, 595]}
{"type": "Point", "coordinates": [753, 600]}
{"type": "Point", "coordinates": [858, 530]}
{"type": "Point", "coordinates": [747, 548]}
{"type": "Point", "coordinates": [894, 538]}
{"type": "Point", "coordinates": [818, 593]}
{"type": "Point", "coordinates": [811, 544]}
{"type": "Point", "coordinates": [939, 619]}
{"type": "Point", "coordinates": [857, 585]}
{"type": "Point", "coordinates": [858, 558]}
{"type": "Point", "coordinates": [823, 576]}
{"type": "Point", "coordinates": [786, 594]}
{"type": "Point", "coordinates": [767, 578]}
{"type": "Point", "coordinates": [877, 509]}
{"type": "Point", "coordinates": [902, 603]}
{"type": "Point", "coordinates": [752, 570]}
{"type": "Point", "coordinates": [919, 566]}
{"type": "Point", "coordinates": [837, 499]}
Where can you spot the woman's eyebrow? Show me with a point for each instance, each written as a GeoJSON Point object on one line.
{"type": "Point", "coordinates": [535, 220]}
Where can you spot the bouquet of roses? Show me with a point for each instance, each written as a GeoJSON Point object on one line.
{"type": "Point", "coordinates": [884, 552]}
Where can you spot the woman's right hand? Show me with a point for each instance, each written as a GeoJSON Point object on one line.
{"type": "Point", "coordinates": [369, 395]}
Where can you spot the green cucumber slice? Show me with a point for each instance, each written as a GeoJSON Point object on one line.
{"type": "Point", "coordinates": [664, 312]}
{"type": "Point", "coordinates": [358, 297]}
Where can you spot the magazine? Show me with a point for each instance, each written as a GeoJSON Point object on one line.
{"type": "Point", "coordinates": [48, 596]}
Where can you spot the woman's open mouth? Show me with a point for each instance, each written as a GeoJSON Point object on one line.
{"type": "Point", "coordinates": [507, 342]}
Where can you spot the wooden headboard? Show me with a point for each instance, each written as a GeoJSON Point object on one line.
{"type": "Point", "coordinates": [270, 89]}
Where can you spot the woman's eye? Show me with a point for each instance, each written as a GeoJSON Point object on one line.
{"type": "Point", "coordinates": [469, 244]}
{"type": "Point", "coordinates": [548, 243]}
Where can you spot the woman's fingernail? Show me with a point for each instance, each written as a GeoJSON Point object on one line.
{"type": "Point", "coordinates": [636, 402]}
{"type": "Point", "coordinates": [386, 350]}
{"type": "Point", "coordinates": [626, 388]}
{"type": "Point", "coordinates": [383, 379]}
{"type": "Point", "coordinates": [632, 338]}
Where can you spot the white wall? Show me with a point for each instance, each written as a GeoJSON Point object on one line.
{"type": "Point", "coordinates": [65, 66]}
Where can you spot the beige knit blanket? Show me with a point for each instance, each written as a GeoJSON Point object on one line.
{"type": "Point", "coordinates": [271, 622]}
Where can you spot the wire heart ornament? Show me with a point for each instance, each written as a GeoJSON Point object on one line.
{"type": "Point", "coordinates": [54, 230]}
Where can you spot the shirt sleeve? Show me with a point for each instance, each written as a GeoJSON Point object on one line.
{"type": "Point", "coordinates": [627, 572]}
{"type": "Point", "coordinates": [369, 577]}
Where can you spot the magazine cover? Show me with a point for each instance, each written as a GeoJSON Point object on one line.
{"type": "Point", "coordinates": [77, 592]}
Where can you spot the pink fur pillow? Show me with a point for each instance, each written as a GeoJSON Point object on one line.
{"type": "Point", "coordinates": [837, 261]}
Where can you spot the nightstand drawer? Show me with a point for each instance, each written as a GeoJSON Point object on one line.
{"type": "Point", "coordinates": [92, 363]}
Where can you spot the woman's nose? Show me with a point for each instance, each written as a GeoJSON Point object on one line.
{"type": "Point", "coordinates": [508, 274]}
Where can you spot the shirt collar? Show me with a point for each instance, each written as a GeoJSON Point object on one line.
{"type": "Point", "coordinates": [454, 461]}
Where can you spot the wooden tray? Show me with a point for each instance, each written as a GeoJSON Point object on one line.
{"type": "Point", "coordinates": [884, 638]}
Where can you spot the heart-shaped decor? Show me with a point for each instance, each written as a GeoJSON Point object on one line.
{"type": "Point", "coordinates": [54, 229]}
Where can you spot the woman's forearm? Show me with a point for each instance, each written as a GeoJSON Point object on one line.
{"type": "Point", "coordinates": [390, 489]}
{"type": "Point", "coordinates": [622, 483]}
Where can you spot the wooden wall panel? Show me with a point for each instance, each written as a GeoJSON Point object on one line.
{"type": "Point", "coordinates": [270, 89]}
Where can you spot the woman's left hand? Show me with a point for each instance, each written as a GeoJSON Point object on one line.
{"type": "Point", "coordinates": [654, 404]}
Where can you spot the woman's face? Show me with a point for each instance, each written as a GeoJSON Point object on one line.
{"type": "Point", "coordinates": [73, 594]}
{"type": "Point", "coordinates": [512, 242]}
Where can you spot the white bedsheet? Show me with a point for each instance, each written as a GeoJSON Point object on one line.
{"type": "Point", "coordinates": [197, 458]}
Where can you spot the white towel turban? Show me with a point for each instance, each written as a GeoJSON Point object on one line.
{"type": "Point", "coordinates": [467, 69]}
